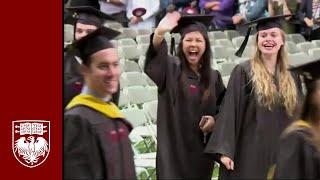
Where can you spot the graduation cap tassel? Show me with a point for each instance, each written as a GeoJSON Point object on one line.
{"type": "Point", "coordinates": [172, 46]}
{"type": "Point", "coordinates": [74, 31]}
{"type": "Point", "coordinates": [244, 43]}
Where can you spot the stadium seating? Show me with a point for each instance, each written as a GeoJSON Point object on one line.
{"type": "Point", "coordinates": [217, 35]}
{"type": "Point", "coordinates": [298, 58]}
{"type": "Point", "coordinates": [68, 33]}
{"type": "Point", "coordinates": [231, 34]}
{"type": "Point", "coordinates": [314, 53]}
{"type": "Point", "coordinates": [291, 47]}
{"type": "Point", "coordinates": [296, 38]}
{"type": "Point", "coordinates": [143, 39]}
{"type": "Point", "coordinates": [305, 46]}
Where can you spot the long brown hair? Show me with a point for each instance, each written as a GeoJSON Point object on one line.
{"type": "Point", "coordinates": [263, 82]}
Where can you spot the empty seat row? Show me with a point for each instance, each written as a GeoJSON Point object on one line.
{"type": "Point", "coordinates": [135, 79]}
{"type": "Point", "coordinates": [137, 95]}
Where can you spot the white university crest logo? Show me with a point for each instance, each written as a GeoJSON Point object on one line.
{"type": "Point", "coordinates": [31, 141]}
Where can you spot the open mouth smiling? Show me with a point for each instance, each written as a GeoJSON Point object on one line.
{"type": "Point", "coordinates": [269, 45]}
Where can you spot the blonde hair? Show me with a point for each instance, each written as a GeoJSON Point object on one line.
{"type": "Point", "coordinates": [263, 82]}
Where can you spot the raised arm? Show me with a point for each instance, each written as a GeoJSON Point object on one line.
{"type": "Point", "coordinates": [159, 66]}
{"type": "Point", "coordinates": [165, 25]}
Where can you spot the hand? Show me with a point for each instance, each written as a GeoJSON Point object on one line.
{"type": "Point", "coordinates": [309, 22]}
{"type": "Point", "coordinates": [135, 20]}
{"type": "Point", "coordinates": [227, 162]}
{"type": "Point", "coordinates": [168, 22]}
{"type": "Point", "coordinates": [237, 19]}
{"type": "Point", "coordinates": [215, 6]}
{"type": "Point", "coordinates": [206, 124]}
{"type": "Point", "coordinates": [193, 3]}
{"type": "Point", "coordinates": [286, 11]}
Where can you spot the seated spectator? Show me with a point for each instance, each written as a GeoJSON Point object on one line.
{"type": "Point", "coordinates": [192, 8]}
{"type": "Point", "coordinates": [285, 7]}
{"type": "Point", "coordinates": [223, 10]}
{"type": "Point", "coordinates": [183, 6]}
{"type": "Point", "coordinates": [309, 14]}
{"type": "Point", "coordinates": [148, 20]}
{"type": "Point", "coordinates": [249, 11]}
{"type": "Point", "coordinates": [116, 9]}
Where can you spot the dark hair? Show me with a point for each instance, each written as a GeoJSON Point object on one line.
{"type": "Point", "coordinates": [87, 62]}
{"type": "Point", "coordinates": [205, 65]}
{"type": "Point", "coordinates": [309, 109]}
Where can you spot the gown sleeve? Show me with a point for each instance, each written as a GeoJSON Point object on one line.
{"type": "Point", "coordinates": [159, 66]}
{"type": "Point", "coordinates": [220, 91]}
{"type": "Point", "coordinates": [227, 127]}
{"type": "Point", "coordinates": [78, 140]}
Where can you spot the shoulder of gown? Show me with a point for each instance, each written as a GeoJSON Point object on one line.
{"type": "Point", "coordinates": [297, 157]}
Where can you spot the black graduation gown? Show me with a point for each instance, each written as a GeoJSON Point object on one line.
{"type": "Point", "coordinates": [96, 147]}
{"type": "Point", "coordinates": [245, 131]}
{"type": "Point", "coordinates": [73, 80]}
{"type": "Point", "coordinates": [298, 158]}
{"type": "Point", "coordinates": [180, 142]}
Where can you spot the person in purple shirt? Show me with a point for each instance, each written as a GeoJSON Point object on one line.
{"type": "Point", "coordinates": [223, 10]}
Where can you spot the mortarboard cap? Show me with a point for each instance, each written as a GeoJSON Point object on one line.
{"type": "Point", "coordinates": [94, 42]}
{"type": "Point", "coordinates": [88, 15]}
{"type": "Point", "coordinates": [310, 70]}
{"type": "Point", "coordinates": [261, 24]}
{"type": "Point", "coordinates": [191, 23]}
{"type": "Point", "coordinates": [203, 21]}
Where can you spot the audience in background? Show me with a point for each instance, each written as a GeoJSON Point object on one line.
{"type": "Point", "coordinates": [148, 20]}
{"type": "Point", "coordinates": [116, 9]}
{"type": "Point", "coordinates": [229, 14]}
{"type": "Point", "coordinates": [280, 7]}
{"type": "Point", "coordinates": [309, 14]}
{"type": "Point", "coordinates": [223, 10]}
{"type": "Point", "coordinates": [249, 11]}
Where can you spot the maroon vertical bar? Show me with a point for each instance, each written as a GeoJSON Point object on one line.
{"type": "Point", "coordinates": [31, 80]}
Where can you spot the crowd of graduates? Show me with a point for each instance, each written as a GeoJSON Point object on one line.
{"type": "Point", "coordinates": [260, 126]}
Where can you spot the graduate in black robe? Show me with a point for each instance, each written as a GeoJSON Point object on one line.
{"type": "Point", "coordinates": [86, 20]}
{"type": "Point", "coordinates": [96, 142]}
{"type": "Point", "coordinates": [260, 101]}
{"type": "Point", "coordinates": [299, 154]}
{"type": "Point", "coordinates": [189, 94]}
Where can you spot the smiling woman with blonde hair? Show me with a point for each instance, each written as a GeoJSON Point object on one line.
{"type": "Point", "coordinates": [260, 102]}
{"type": "Point", "coordinates": [272, 86]}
